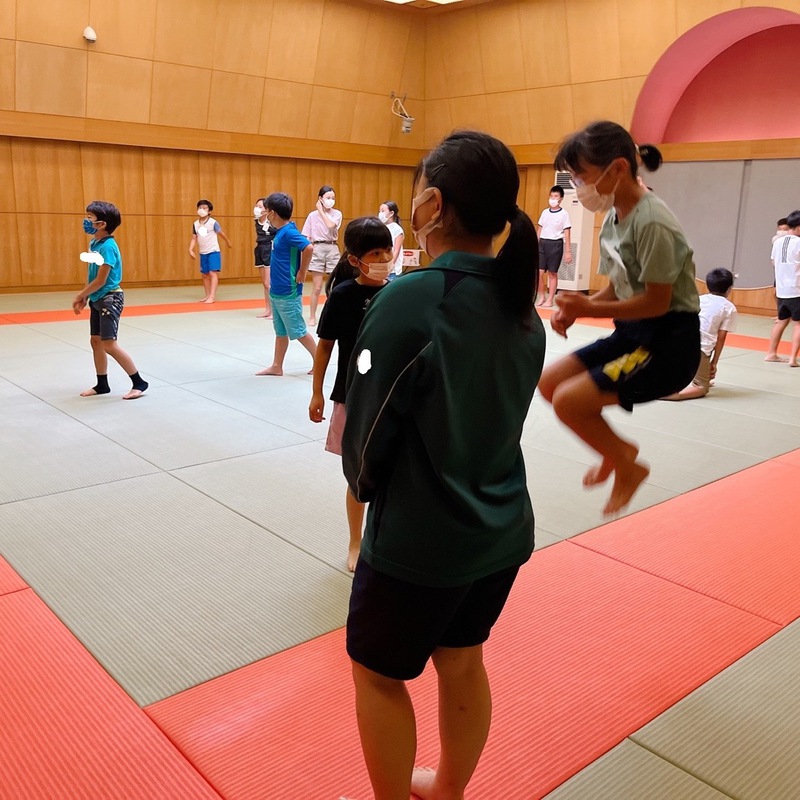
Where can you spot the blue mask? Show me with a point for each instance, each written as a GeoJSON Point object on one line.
{"type": "Point", "coordinates": [88, 227]}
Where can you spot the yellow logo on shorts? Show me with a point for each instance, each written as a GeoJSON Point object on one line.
{"type": "Point", "coordinates": [625, 365]}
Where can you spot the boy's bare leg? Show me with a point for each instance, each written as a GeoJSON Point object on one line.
{"type": "Point", "coordinates": [795, 346]}
{"type": "Point", "coordinates": [206, 286]}
{"type": "Point", "coordinates": [100, 362]}
{"type": "Point", "coordinates": [308, 342]}
{"type": "Point", "coordinates": [388, 732]}
{"type": "Point", "coordinates": [542, 292]}
{"type": "Point", "coordinates": [578, 403]}
{"type": "Point", "coordinates": [355, 522]}
{"type": "Point", "coordinates": [558, 372]}
{"type": "Point", "coordinates": [265, 280]}
{"type": "Point", "coordinates": [316, 278]}
{"type": "Point", "coordinates": [281, 346]}
{"type": "Point", "coordinates": [551, 290]}
{"type": "Point", "coordinates": [465, 713]}
{"type": "Point", "coordinates": [211, 291]}
{"type": "Point", "coordinates": [775, 339]}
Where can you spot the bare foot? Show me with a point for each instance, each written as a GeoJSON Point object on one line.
{"type": "Point", "coordinates": [422, 780]}
{"type": "Point", "coordinates": [267, 315]}
{"type": "Point", "coordinates": [540, 301]}
{"type": "Point", "coordinates": [600, 474]}
{"type": "Point", "coordinates": [271, 371]}
{"type": "Point", "coordinates": [203, 300]}
{"type": "Point", "coordinates": [89, 393]}
{"type": "Point", "coordinates": [311, 371]}
{"type": "Point", "coordinates": [209, 300]}
{"type": "Point", "coordinates": [794, 364]}
{"type": "Point", "coordinates": [312, 322]}
{"type": "Point", "coordinates": [547, 305]}
{"type": "Point", "coordinates": [776, 359]}
{"type": "Point", "coordinates": [627, 479]}
{"type": "Point", "coordinates": [352, 557]}
{"type": "Point", "coordinates": [133, 394]}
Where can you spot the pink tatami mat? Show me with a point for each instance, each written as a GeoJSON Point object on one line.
{"type": "Point", "coordinates": [9, 580]}
{"type": "Point", "coordinates": [737, 540]}
{"type": "Point", "coordinates": [587, 651]}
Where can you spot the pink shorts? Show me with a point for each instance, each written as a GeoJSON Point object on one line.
{"type": "Point", "coordinates": [333, 444]}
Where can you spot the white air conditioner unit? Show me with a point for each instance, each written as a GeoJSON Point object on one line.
{"type": "Point", "coordinates": [575, 276]}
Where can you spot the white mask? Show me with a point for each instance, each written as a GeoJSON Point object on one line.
{"type": "Point", "coordinates": [554, 203]}
{"type": "Point", "coordinates": [201, 212]}
{"type": "Point", "coordinates": [328, 202]}
{"type": "Point", "coordinates": [257, 211]}
{"type": "Point", "coordinates": [421, 234]}
{"type": "Point", "coordinates": [384, 216]}
{"type": "Point", "coordinates": [591, 199]}
{"type": "Point", "coordinates": [377, 270]}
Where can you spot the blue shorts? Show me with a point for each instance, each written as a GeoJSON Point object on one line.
{"type": "Point", "coordinates": [210, 262]}
{"type": "Point", "coordinates": [104, 314]}
{"type": "Point", "coordinates": [287, 316]}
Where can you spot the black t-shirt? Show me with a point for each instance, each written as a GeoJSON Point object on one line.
{"type": "Point", "coordinates": [264, 236]}
{"type": "Point", "coordinates": [341, 318]}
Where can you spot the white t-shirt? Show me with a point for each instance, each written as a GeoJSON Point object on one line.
{"type": "Point", "coordinates": [206, 231]}
{"type": "Point", "coordinates": [786, 258]}
{"type": "Point", "coordinates": [553, 223]}
{"type": "Point", "coordinates": [717, 313]}
{"type": "Point", "coordinates": [396, 231]}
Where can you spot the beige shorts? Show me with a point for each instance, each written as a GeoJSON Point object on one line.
{"type": "Point", "coordinates": [324, 258]}
{"type": "Point", "coordinates": [703, 376]}
{"type": "Point", "coordinates": [333, 444]}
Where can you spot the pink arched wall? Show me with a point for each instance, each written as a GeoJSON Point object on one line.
{"type": "Point", "coordinates": [726, 79]}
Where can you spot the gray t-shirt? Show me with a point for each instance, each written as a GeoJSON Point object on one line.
{"type": "Point", "coordinates": [648, 246]}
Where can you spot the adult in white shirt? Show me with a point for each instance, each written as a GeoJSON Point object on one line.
{"type": "Point", "coordinates": [786, 260]}
{"type": "Point", "coordinates": [389, 215]}
{"type": "Point", "coordinates": [553, 230]}
{"type": "Point", "coordinates": [321, 228]}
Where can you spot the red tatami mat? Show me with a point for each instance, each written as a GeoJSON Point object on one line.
{"type": "Point", "coordinates": [792, 458]}
{"type": "Point", "coordinates": [587, 651]}
{"type": "Point", "coordinates": [9, 580]}
{"type": "Point", "coordinates": [69, 731]}
{"type": "Point", "coordinates": [736, 540]}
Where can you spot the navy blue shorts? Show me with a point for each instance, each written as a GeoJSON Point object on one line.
{"type": "Point", "coordinates": [789, 308]}
{"type": "Point", "coordinates": [551, 253]}
{"type": "Point", "coordinates": [104, 315]}
{"type": "Point", "coordinates": [644, 360]}
{"type": "Point", "coordinates": [394, 626]}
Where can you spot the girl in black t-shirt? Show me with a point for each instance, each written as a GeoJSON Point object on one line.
{"type": "Point", "coordinates": [362, 271]}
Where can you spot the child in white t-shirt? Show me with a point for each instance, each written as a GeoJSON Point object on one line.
{"type": "Point", "coordinates": [717, 317]}
{"type": "Point", "coordinates": [553, 230]}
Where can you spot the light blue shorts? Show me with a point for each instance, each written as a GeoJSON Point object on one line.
{"type": "Point", "coordinates": [210, 262]}
{"type": "Point", "coordinates": [287, 316]}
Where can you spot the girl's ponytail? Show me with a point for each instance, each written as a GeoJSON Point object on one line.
{"type": "Point", "coordinates": [651, 157]}
{"type": "Point", "coordinates": [518, 267]}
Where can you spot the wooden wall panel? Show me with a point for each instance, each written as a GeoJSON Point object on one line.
{"type": "Point", "coordinates": [372, 119]}
{"type": "Point", "coordinates": [124, 29]}
{"type": "Point", "coordinates": [47, 175]}
{"type": "Point", "coordinates": [412, 78]}
{"type": "Point", "coordinates": [235, 102]}
{"type": "Point", "coordinates": [269, 175]}
{"type": "Point", "coordinates": [692, 12]}
{"type": "Point", "coordinates": [185, 32]}
{"type": "Point", "coordinates": [225, 181]}
{"type": "Point", "coordinates": [285, 108]}
{"type": "Point", "coordinates": [8, 201]}
{"type": "Point", "coordinates": [7, 73]}
{"type": "Point", "coordinates": [168, 249]}
{"type": "Point", "coordinates": [311, 177]}
{"type": "Point", "coordinates": [469, 112]}
{"type": "Point", "coordinates": [550, 113]}
{"type": "Point", "coordinates": [593, 40]}
{"type": "Point", "coordinates": [437, 86]}
{"type": "Point", "coordinates": [180, 96]}
{"type": "Point", "coordinates": [331, 114]}
{"type": "Point", "coordinates": [119, 88]}
{"type": "Point", "coordinates": [10, 273]}
{"type": "Point", "coordinates": [543, 27]}
{"type": "Point", "coordinates": [237, 261]}
{"type": "Point", "coordinates": [171, 183]}
{"type": "Point", "coordinates": [131, 237]}
{"type": "Point", "coordinates": [8, 19]}
{"type": "Point", "coordinates": [382, 65]}
{"type": "Point", "coordinates": [630, 88]}
{"type": "Point", "coordinates": [463, 64]}
{"type": "Point", "coordinates": [502, 47]}
{"type": "Point", "coordinates": [342, 46]}
{"type": "Point", "coordinates": [114, 174]}
{"type": "Point", "coordinates": [652, 25]}
{"type": "Point", "coordinates": [597, 100]}
{"type": "Point", "coordinates": [242, 36]}
{"type": "Point", "coordinates": [58, 23]}
{"type": "Point", "coordinates": [508, 117]}
{"type": "Point", "coordinates": [64, 90]}
{"type": "Point", "coordinates": [292, 51]}
{"type": "Point", "coordinates": [50, 246]}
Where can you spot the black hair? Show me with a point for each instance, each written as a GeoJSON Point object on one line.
{"type": "Point", "coordinates": [325, 189]}
{"type": "Point", "coordinates": [479, 181]}
{"type": "Point", "coordinates": [361, 236]}
{"type": "Point", "coordinates": [393, 207]}
{"type": "Point", "coordinates": [280, 203]}
{"type": "Point", "coordinates": [793, 219]}
{"type": "Point", "coordinates": [206, 203]}
{"type": "Point", "coordinates": [782, 221]}
{"type": "Point", "coordinates": [600, 143]}
{"type": "Point", "coordinates": [719, 280]}
{"type": "Point", "coordinates": [105, 212]}
{"type": "Point", "coordinates": [557, 189]}
{"type": "Point", "coordinates": [263, 201]}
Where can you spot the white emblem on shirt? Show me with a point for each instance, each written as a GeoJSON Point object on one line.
{"type": "Point", "coordinates": [93, 258]}
{"type": "Point", "coordinates": [364, 362]}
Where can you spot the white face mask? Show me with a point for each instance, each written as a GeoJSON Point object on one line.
{"type": "Point", "coordinates": [201, 212]}
{"type": "Point", "coordinates": [421, 234]}
{"type": "Point", "coordinates": [377, 270]}
{"type": "Point", "coordinates": [328, 202]}
{"type": "Point", "coordinates": [591, 199]}
{"type": "Point", "coordinates": [384, 216]}
{"type": "Point", "coordinates": [554, 203]}
{"type": "Point", "coordinates": [257, 212]}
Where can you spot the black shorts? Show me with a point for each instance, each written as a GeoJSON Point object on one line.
{"type": "Point", "coordinates": [789, 308]}
{"type": "Point", "coordinates": [551, 252]}
{"type": "Point", "coordinates": [104, 315]}
{"type": "Point", "coordinates": [262, 254]}
{"type": "Point", "coordinates": [644, 360]}
{"type": "Point", "coordinates": [394, 626]}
